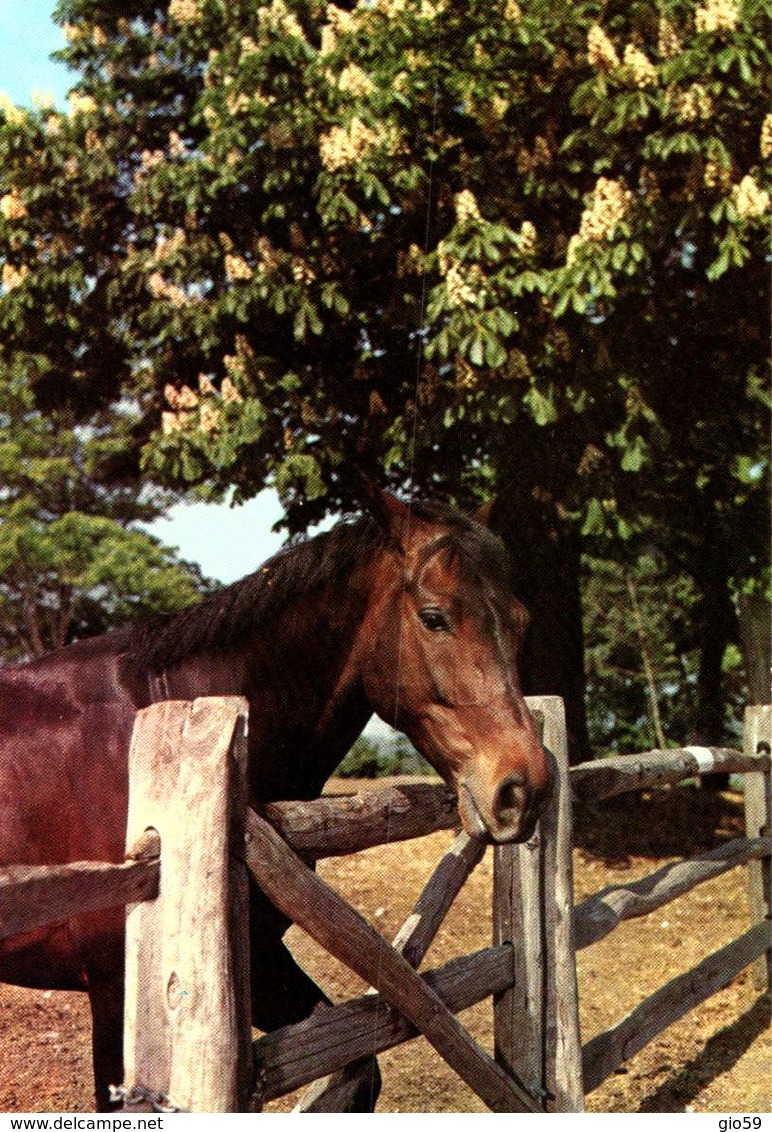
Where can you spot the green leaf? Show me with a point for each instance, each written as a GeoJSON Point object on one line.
{"type": "Point", "coordinates": [718, 267]}
{"type": "Point", "coordinates": [541, 406]}
{"type": "Point", "coordinates": [634, 455]}
{"type": "Point", "coordinates": [477, 350]}
{"type": "Point", "coordinates": [495, 354]}
{"type": "Point", "coordinates": [619, 256]}
{"type": "Point", "coordinates": [594, 518]}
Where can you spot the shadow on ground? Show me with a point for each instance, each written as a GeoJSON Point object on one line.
{"type": "Point", "coordinates": [719, 1055]}
{"type": "Point", "coordinates": [676, 821]}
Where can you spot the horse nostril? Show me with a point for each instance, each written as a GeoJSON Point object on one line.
{"type": "Point", "coordinates": [511, 800]}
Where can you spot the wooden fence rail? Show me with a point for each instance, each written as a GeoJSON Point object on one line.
{"type": "Point", "coordinates": [336, 825]}
{"type": "Point", "coordinates": [621, 774]}
{"type": "Point", "coordinates": [607, 1051]}
{"type": "Point", "coordinates": [412, 941]}
{"type": "Point", "coordinates": [294, 1056]}
{"type": "Point", "coordinates": [598, 915]}
{"type": "Point", "coordinates": [537, 1035]}
{"type": "Point", "coordinates": [32, 896]}
{"type": "Point", "coordinates": [306, 899]}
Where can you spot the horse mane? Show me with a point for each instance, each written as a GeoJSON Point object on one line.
{"type": "Point", "coordinates": [223, 619]}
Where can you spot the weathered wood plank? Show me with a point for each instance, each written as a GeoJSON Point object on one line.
{"type": "Point", "coordinates": [564, 1047]}
{"type": "Point", "coordinates": [300, 894]}
{"type": "Point", "coordinates": [536, 1020]}
{"type": "Point", "coordinates": [187, 1032]}
{"type": "Point", "coordinates": [291, 1057]}
{"type": "Point", "coordinates": [757, 742]}
{"type": "Point", "coordinates": [599, 914]}
{"type": "Point", "coordinates": [606, 1052]}
{"type": "Point", "coordinates": [620, 774]}
{"type": "Point", "coordinates": [519, 1013]}
{"type": "Point", "coordinates": [415, 936]}
{"type": "Point", "coordinates": [33, 896]}
{"type": "Point", "coordinates": [334, 826]}
{"type": "Point", "coordinates": [517, 920]}
{"type": "Point", "coordinates": [337, 825]}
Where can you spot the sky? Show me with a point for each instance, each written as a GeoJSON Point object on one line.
{"type": "Point", "coordinates": [227, 542]}
{"type": "Point", "coordinates": [27, 38]}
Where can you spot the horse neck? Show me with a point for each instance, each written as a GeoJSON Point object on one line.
{"type": "Point", "coordinates": [310, 658]}
{"type": "Point", "coordinates": [300, 674]}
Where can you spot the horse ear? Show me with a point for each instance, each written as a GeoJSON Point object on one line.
{"type": "Point", "coordinates": [390, 513]}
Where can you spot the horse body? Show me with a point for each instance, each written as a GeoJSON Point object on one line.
{"type": "Point", "coordinates": [408, 616]}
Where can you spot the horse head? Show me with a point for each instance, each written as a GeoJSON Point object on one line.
{"type": "Point", "coordinates": [439, 652]}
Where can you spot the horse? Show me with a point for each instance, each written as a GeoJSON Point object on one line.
{"type": "Point", "coordinates": [404, 611]}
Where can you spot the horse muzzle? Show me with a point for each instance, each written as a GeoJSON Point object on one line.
{"type": "Point", "coordinates": [505, 812]}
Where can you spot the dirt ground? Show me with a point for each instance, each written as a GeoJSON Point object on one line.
{"type": "Point", "coordinates": [717, 1059]}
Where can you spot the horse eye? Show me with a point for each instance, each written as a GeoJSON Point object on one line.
{"type": "Point", "coordinates": [434, 620]}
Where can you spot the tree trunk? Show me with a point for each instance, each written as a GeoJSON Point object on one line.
{"type": "Point", "coordinates": [546, 559]}
{"type": "Point", "coordinates": [755, 616]}
{"type": "Point", "coordinates": [717, 629]}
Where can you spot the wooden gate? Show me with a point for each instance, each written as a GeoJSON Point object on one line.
{"type": "Point", "coordinates": [188, 1038]}
{"type": "Point", "coordinates": [183, 986]}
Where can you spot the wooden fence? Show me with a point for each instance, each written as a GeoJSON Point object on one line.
{"type": "Point", "coordinates": [596, 916]}
{"type": "Point", "coordinates": [187, 1034]}
{"type": "Point", "coordinates": [531, 969]}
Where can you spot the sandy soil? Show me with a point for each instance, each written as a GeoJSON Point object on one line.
{"type": "Point", "coordinates": [716, 1059]}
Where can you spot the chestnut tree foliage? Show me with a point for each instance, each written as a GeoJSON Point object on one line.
{"type": "Point", "coordinates": [500, 247]}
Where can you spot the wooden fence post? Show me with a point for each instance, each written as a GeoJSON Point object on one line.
{"type": "Point", "coordinates": [536, 1021]}
{"type": "Point", "coordinates": [187, 1029]}
{"type": "Point", "coordinates": [757, 740]}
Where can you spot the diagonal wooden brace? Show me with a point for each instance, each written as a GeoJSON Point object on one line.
{"type": "Point", "coordinates": [415, 936]}
{"type": "Point", "coordinates": [315, 907]}
{"type": "Point", "coordinates": [413, 940]}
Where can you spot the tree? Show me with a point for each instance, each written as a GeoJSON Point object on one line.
{"type": "Point", "coordinates": [72, 560]}
{"type": "Point", "coordinates": [513, 248]}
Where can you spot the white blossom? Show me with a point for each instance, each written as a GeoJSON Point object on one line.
{"type": "Point", "coordinates": [466, 206]}
{"type": "Point", "coordinates": [601, 53]}
{"type": "Point", "coordinates": [717, 15]}
{"type": "Point", "coordinates": [12, 207]}
{"type": "Point", "coordinates": [750, 201]}
{"type": "Point", "coordinates": [642, 70]}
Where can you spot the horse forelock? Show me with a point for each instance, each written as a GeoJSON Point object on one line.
{"type": "Point", "coordinates": [476, 552]}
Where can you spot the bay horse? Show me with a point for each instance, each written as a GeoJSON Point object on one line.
{"type": "Point", "coordinates": [405, 612]}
